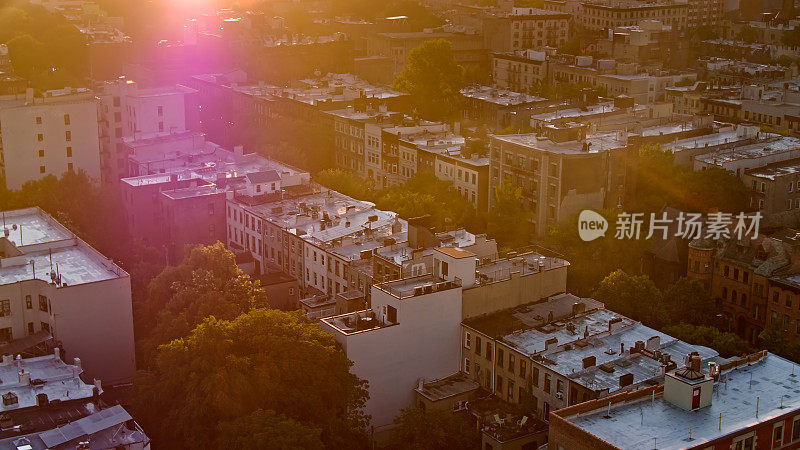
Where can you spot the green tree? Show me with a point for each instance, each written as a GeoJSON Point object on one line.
{"type": "Point", "coordinates": [687, 300]}
{"type": "Point", "coordinates": [727, 344]}
{"type": "Point", "coordinates": [791, 38]}
{"type": "Point", "coordinates": [268, 430]}
{"type": "Point", "coordinates": [434, 430]}
{"type": "Point", "coordinates": [585, 272]}
{"type": "Point", "coordinates": [633, 296]}
{"type": "Point", "coordinates": [271, 373]}
{"type": "Point", "coordinates": [747, 34]}
{"type": "Point", "coordinates": [508, 222]}
{"type": "Point", "coordinates": [206, 283]}
{"type": "Point", "coordinates": [346, 182]}
{"type": "Point", "coordinates": [434, 80]}
{"type": "Point", "coordinates": [424, 194]}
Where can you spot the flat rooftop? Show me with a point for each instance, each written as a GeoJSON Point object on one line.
{"type": "Point", "coordinates": [600, 142]}
{"type": "Point", "coordinates": [751, 151]}
{"type": "Point", "coordinates": [327, 216]}
{"type": "Point", "coordinates": [46, 245]}
{"type": "Point", "coordinates": [777, 169]}
{"type": "Point", "coordinates": [406, 287]}
{"type": "Point", "coordinates": [565, 330]}
{"type": "Point", "coordinates": [59, 381]}
{"type": "Point", "coordinates": [451, 386]}
{"type": "Point", "coordinates": [773, 380]}
{"type": "Point", "coordinates": [525, 264]}
{"type": "Point", "coordinates": [502, 97]}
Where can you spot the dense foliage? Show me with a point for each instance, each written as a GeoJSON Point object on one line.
{"type": "Point", "coordinates": [206, 283]}
{"type": "Point", "coordinates": [230, 381]}
{"type": "Point", "coordinates": [434, 430]}
{"type": "Point", "coordinates": [434, 80]}
{"type": "Point", "coordinates": [44, 48]}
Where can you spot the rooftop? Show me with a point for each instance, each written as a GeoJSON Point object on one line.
{"type": "Point", "coordinates": [455, 384]}
{"type": "Point", "coordinates": [751, 151]}
{"type": "Point", "coordinates": [524, 264]}
{"type": "Point", "coordinates": [414, 286]}
{"type": "Point", "coordinates": [48, 375]}
{"type": "Point", "coordinates": [772, 382]}
{"type": "Point", "coordinates": [38, 245]}
{"type": "Point", "coordinates": [329, 216]}
{"type": "Point", "coordinates": [776, 169]}
{"type": "Point", "coordinates": [564, 332]}
{"type": "Point", "coordinates": [103, 429]}
{"type": "Point", "coordinates": [600, 142]}
{"type": "Point", "coordinates": [500, 97]}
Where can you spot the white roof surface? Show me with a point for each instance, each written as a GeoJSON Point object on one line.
{"type": "Point", "coordinates": [774, 381]}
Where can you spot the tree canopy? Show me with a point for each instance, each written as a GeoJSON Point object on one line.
{"type": "Point", "coordinates": [267, 373]}
{"type": "Point", "coordinates": [43, 47]}
{"type": "Point", "coordinates": [632, 296]}
{"type": "Point", "coordinates": [727, 344]}
{"type": "Point", "coordinates": [434, 80]}
{"type": "Point", "coordinates": [434, 430]}
{"type": "Point", "coordinates": [206, 283]}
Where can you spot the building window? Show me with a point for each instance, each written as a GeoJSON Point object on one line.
{"type": "Point", "coordinates": [5, 335]}
{"type": "Point", "coordinates": [500, 357]}
{"type": "Point", "coordinates": [41, 169]}
{"type": "Point", "coordinates": [796, 429]}
{"type": "Point", "coordinates": [510, 391]}
{"type": "Point", "coordinates": [160, 111]}
{"type": "Point", "coordinates": [69, 152]}
{"type": "Point", "coordinates": [42, 303]}
{"type": "Point", "coordinates": [467, 339]}
{"type": "Point", "coordinates": [535, 375]}
{"type": "Point", "coordinates": [70, 168]}
{"type": "Point", "coordinates": [477, 345]}
{"type": "Point", "coordinates": [66, 119]}
{"type": "Point", "coordinates": [498, 387]}
{"type": "Point", "coordinates": [40, 137]}
{"type": "Point", "coordinates": [30, 328]}
{"type": "Point", "coordinates": [67, 135]}
{"type": "Point", "coordinates": [5, 308]}
{"type": "Point", "coordinates": [777, 435]}
{"type": "Point", "coordinates": [45, 326]}
{"type": "Point", "coordinates": [488, 351]}
{"type": "Point", "coordinates": [522, 368]}
{"type": "Point", "coordinates": [466, 366]}
{"type": "Point", "coordinates": [41, 153]}
{"type": "Point", "coordinates": [38, 120]}
{"type": "Point", "coordinates": [28, 302]}
{"type": "Point", "coordinates": [511, 362]}
{"type": "Point", "coordinates": [547, 383]}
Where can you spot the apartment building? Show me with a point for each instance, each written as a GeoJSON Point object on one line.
{"type": "Point", "coordinates": [398, 149]}
{"type": "Point", "coordinates": [54, 284]}
{"type": "Point", "coordinates": [46, 404]}
{"type": "Point", "coordinates": [181, 184]}
{"type": "Point", "coordinates": [720, 403]}
{"type": "Point", "coordinates": [773, 186]}
{"type": "Point", "coordinates": [600, 15]}
{"type": "Point", "coordinates": [499, 108]}
{"type": "Point", "coordinates": [299, 233]}
{"type": "Point", "coordinates": [468, 173]}
{"type": "Point", "coordinates": [468, 47]}
{"type": "Point", "coordinates": [525, 28]}
{"type": "Point", "coordinates": [519, 71]}
{"type": "Point", "coordinates": [618, 78]}
{"type": "Point", "coordinates": [48, 135]}
{"type": "Point", "coordinates": [739, 274]}
{"type": "Point", "coordinates": [563, 172]}
{"type": "Point", "coordinates": [457, 289]}
{"type": "Point", "coordinates": [564, 351]}
{"type": "Point", "coordinates": [130, 113]}
{"type": "Point", "coordinates": [649, 43]}
{"type": "Point", "coordinates": [739, 159]}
